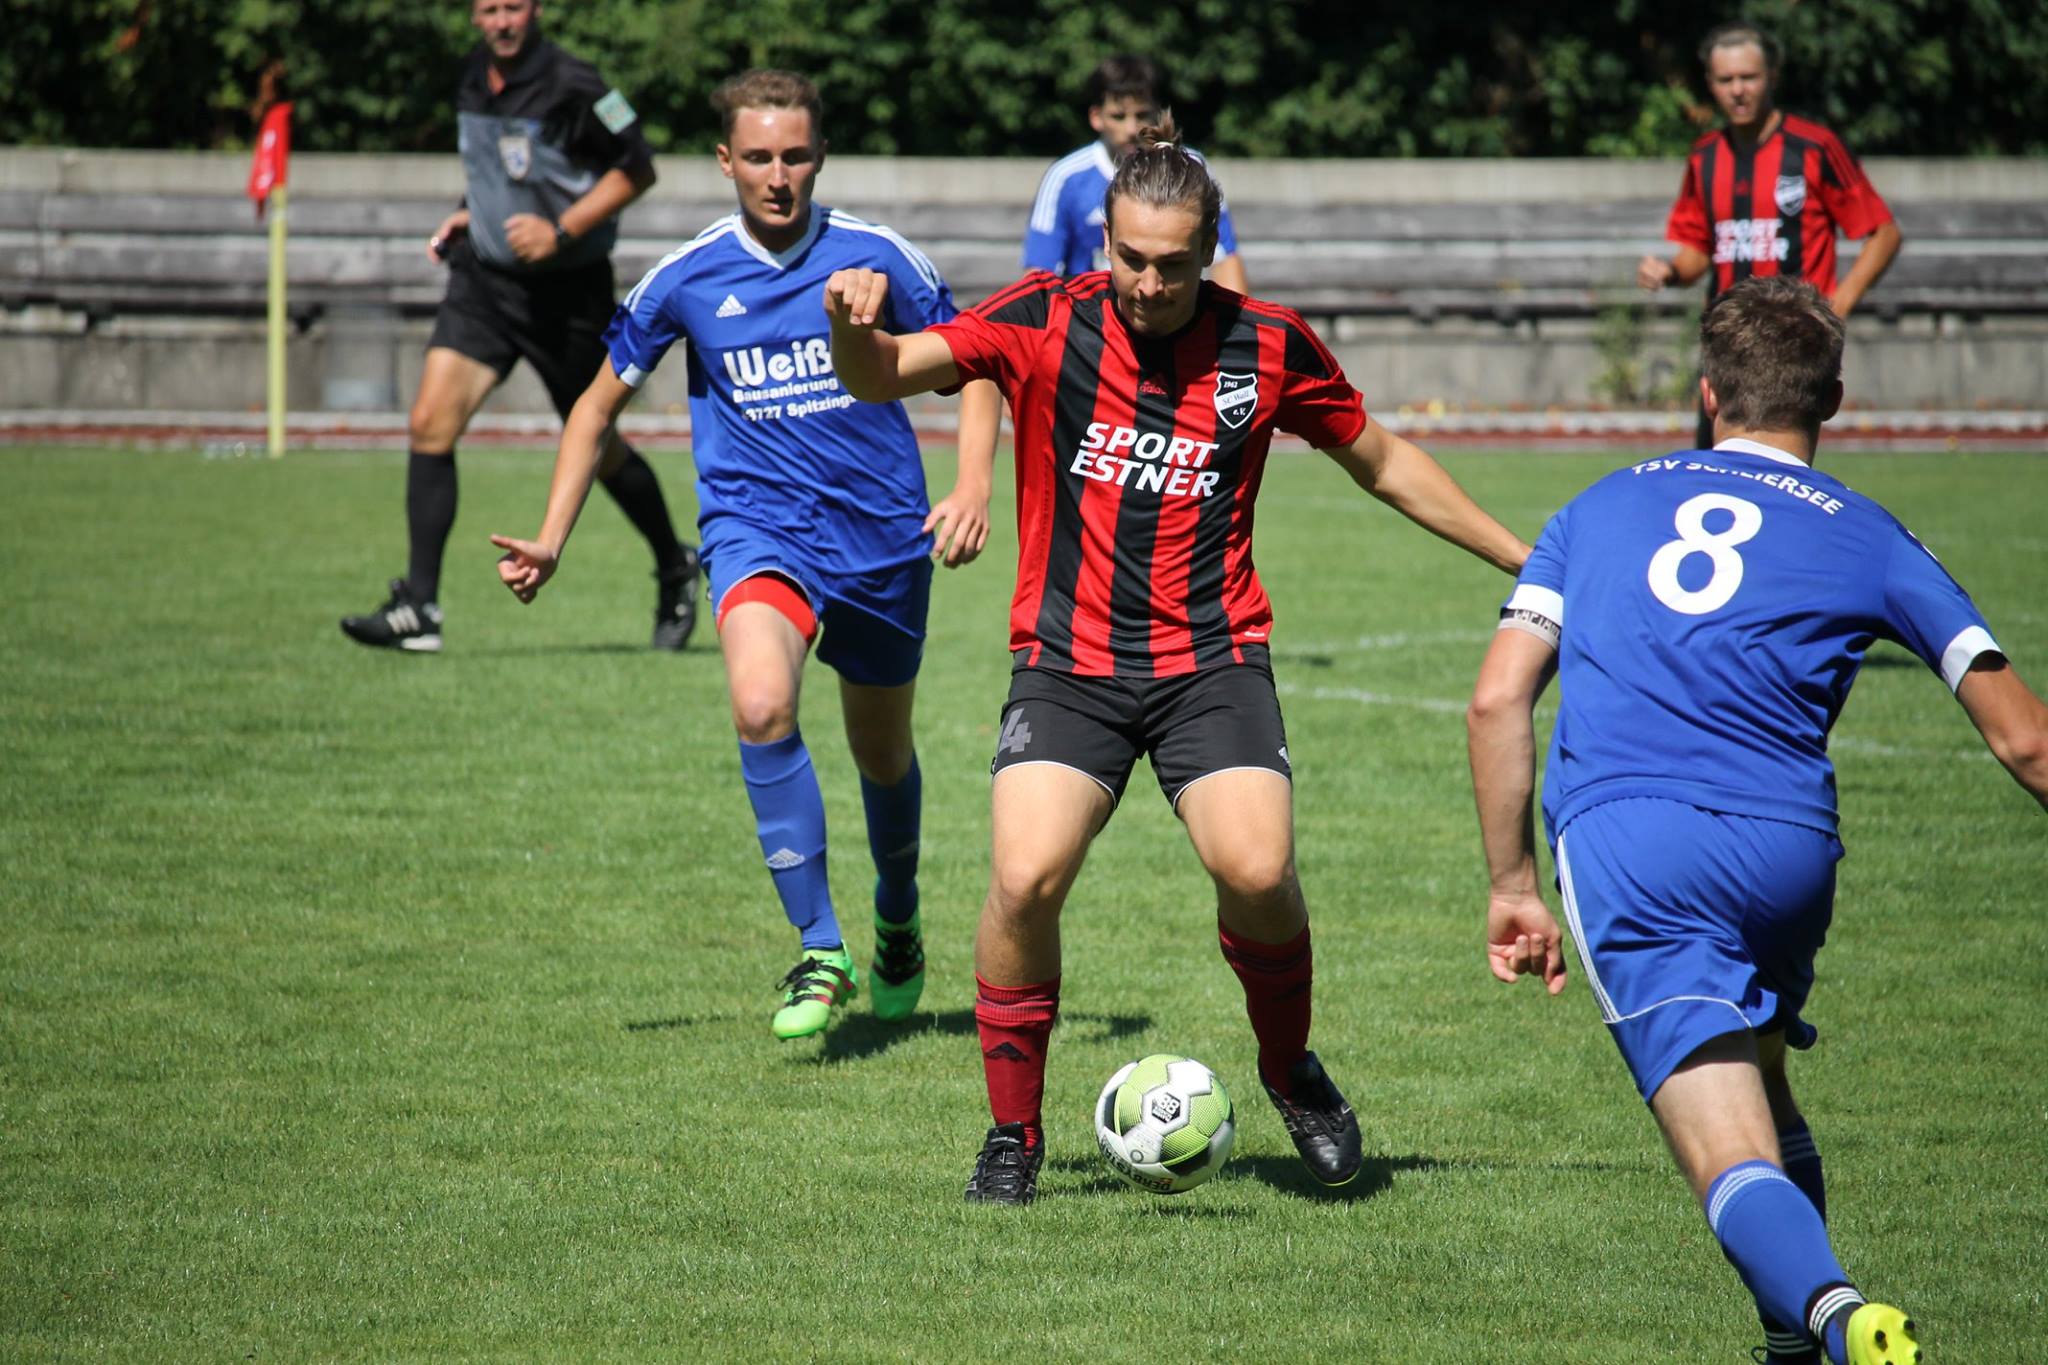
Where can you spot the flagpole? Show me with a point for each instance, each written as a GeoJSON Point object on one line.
{"type": "Point", "coordinates": [275, 339]}
{"type": "Point", "coordinates": [267, 173]}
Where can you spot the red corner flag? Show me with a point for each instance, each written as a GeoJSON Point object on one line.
{"type": "Point", "coordinates": [273, 151]}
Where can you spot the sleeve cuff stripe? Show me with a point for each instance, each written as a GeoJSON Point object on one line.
{"type": "Point", "coordinates": [1973, 643]}
{"type": "Point", "coordinates": [632, 376]}
{"type": "Point", "coordinates": [1543, 601]}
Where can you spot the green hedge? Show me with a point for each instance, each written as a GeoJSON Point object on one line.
{"type": "Point", "coordinates": [962, 77]}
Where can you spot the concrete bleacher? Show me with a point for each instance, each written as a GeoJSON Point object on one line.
{"type": "Point", "coordinates": [1433, 271]}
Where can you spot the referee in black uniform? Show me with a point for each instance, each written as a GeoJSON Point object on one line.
{"type": "Point", "coordinates": [551, 155]}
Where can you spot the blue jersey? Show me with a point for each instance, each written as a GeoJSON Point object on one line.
{"type": "Point", "coordinates": [1715, 607]}
{"type": "Point", "coordinates": [1065, 234]}
{"type": "Point", "coordinates": [777, 443]}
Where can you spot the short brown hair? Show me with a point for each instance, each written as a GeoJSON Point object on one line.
{"type": "Point", "coordinates": [1738, 35]}
{"type": "Point", "coordinates": [768, 88]}
{"type": "Point", "coordinates": [1161, 172]}
{"type": "Point", "coordinates": [1772, 351]}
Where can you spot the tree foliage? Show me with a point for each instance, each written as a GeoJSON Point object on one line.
{"type": "Point", "coordinates": [968, 77]}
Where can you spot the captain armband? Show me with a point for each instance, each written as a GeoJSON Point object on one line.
{"type": "Point", "coordinates": [1533, 622]}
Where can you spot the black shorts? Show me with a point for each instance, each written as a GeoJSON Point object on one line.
{"type": "Point", "coordinates": [554, 320]}
{"type": "Point", "coordinates": [1191, 725]}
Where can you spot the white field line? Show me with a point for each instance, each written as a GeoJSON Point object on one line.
{"type": "Point", "coordinates": [1359, 695]}
{"type": "Point", "coordinates": [1397, 640]}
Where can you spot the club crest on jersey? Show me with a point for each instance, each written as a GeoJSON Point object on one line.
{"type": "Point", "coordinates": [1791, 194]}
{"type": "Point", "coordinates": [1237, 397]}
{"type": "Point", "coordinates": [516, 151]}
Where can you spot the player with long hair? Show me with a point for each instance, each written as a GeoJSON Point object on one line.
{"type": "Point", "coordinates": [1145, 400]}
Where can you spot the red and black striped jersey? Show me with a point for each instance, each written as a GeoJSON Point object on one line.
{"type": "Point", "coordinates": [1138, 460]}
{"type": "Point", "coordinates": [1773, 207]}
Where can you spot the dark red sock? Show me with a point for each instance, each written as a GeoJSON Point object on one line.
{"type": "Point", "coordinates": [1276, 979]}
{"type": "Point", "coordinates": [1015, 1022]}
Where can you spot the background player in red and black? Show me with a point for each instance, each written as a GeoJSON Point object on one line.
{"type": "Point", "coordinates": [550, 155]}
{"type": "Point", "coordinates": [1765, 194]}
{"type": "Point", "coordinates": [1144, 402]}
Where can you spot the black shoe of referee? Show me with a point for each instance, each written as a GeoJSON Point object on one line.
{"type": "Point", "coordinates": [1324, 1129]}
{"type": "Point", "coordinates": [403, 622]}
{"type": "Point", "coordinates": [675, 606]}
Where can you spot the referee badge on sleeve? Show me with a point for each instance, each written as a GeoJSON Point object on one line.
{"type": "Point", "coordinates": [516, 151]}
{"type": "Point", "coordinates": [1237, 397]}
{"type": "Point", "coordinates": [613, 112]}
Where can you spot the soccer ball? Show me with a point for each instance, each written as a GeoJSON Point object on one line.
{"type": "Point", "coordinates": [1165, 1123]}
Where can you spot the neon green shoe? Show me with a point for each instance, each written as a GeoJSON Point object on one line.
{"type": "Point", "coordinates": [896, 975]}
{"type": "Point", "coordinates": [1880, 1334]}
{"type": "Point", "coordinates": [821, 979]}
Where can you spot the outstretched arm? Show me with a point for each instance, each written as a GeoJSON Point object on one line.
{"type": "Point", "coordinates": [873, 365]}
{"type": "Point", "coordinates": [1522, 937]}
{"type": "Point", "coordinates": [528, 564]}
{"type": "Point", "coordinates": [2013, 721]}
{"type": "Point", "coordinates": [1402, 475]}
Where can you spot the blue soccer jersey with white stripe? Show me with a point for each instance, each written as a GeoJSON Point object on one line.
{"type": "Point", "coordinates": [1714, 608]}
{"type": "Point", "coordinates": [777, 442]}
{"type": "Point", "coordinates": [1065, 233]}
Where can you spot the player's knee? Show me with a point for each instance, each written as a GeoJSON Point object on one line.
{"type": "Point", "coordinates": [430, 427]}
{"type": "Point", "coordinates": [882, 759]}
{"type": "Point", "coordinates": [1254, 872]}
{"type": "Point", "coordinates": [1025, 890]}
{"type": "Point", "coordinates": [762, 717]}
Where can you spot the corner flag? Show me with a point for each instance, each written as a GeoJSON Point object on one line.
{"type": "Point", "coordinates": [267, 173]}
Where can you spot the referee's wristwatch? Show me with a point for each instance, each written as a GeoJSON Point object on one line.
{"type": "Point", "coordinates": [563, 238]}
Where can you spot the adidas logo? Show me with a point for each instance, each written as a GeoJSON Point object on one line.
{"type": "Point", "coordinates": [783, 859]}
{"type": "Point", "coordinates": [732, 307]}
{"type": "Point", "coordinates": [1007, 1051]}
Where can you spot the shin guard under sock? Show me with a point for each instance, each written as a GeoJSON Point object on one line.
{"type": "Point", "coordinates": [1015, 1024]}
{"type": "Point", "coordinates": [429, 517]}
{"type": "Point", "coordinates": [1277, 981]}
{"type": "Point", "coordinates": [789, 816]}
{"type": "Point", "coordinates": [893, 817]}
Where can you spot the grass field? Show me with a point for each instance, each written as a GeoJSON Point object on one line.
{"type": "Point", "coordinates": [360, 1005]}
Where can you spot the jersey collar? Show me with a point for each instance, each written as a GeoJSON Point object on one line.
{"type": "Point", "coordinates": [1104, 162]}
{"type": "Point", "coordinates": [1748, 447]}
{"type": "Point", "coordinates": [788, 256]}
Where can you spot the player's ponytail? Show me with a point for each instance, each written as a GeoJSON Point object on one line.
{"type": "Point", "coordinates": [1161, 172]}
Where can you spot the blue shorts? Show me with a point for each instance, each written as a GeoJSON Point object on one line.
{"type": "Point", "coordinates": [1691, 924]}
{"type": "Point", "coordinates": [871, 624]}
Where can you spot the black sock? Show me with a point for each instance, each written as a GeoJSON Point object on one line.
{"type": "Point", "coordinates": [429, 516]}
{"type": "Point", "coordinates": [638, 493]}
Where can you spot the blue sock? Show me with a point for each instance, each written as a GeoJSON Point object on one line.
{"type": "Point", "coordinates": [789, 815]}
{"type": "Point", "coordinates": [892, 838]}
{"type": "Point", "coordinates": [1772, 1234]}
{"type": "Point", "coordinates": [1788, 1343]}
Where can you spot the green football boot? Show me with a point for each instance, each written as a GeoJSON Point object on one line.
{"type": "Point", "coordinates": [896, 975]}
{"type": "Point", "coordinates": [1880, 1334]}
{"type": "Point", "coordinates": [823, 978]}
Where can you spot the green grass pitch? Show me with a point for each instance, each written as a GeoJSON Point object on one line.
{"type": "Point", "coordinates": [355, 1005]}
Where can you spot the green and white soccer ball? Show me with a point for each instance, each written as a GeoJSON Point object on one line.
{"type": "Point", "coordinates": [1165, 1123]}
